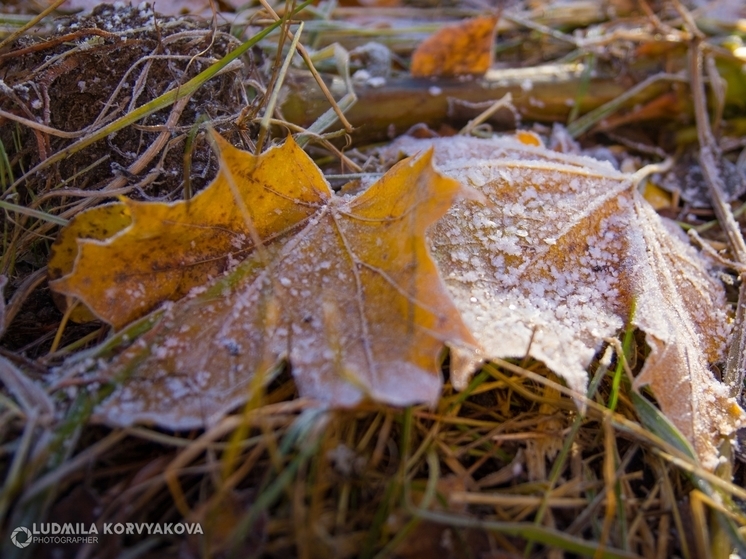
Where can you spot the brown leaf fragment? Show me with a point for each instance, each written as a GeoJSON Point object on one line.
{"type": "Point", "coordinates": [456, 50]}
{"type": "Point", "coordinates": [553, 263]}
{"type": "Point", "coordinates": [352, 299]}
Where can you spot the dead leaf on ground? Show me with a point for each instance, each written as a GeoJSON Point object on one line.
{"type": "Point", "coordinates": [456, 50]}
{"type": "Point", "coordinates": [552, 266]}
{"type": "Point", "coordinates": [351, 297]}
{"type": "Point", "coordinates": [159, 251]}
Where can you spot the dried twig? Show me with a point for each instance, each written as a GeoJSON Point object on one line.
{"type": "Point", "coordinates": [710, 156]}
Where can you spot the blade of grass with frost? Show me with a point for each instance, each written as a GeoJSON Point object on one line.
{"type": "Point", "coordinates": [33, 213]}
{"type": "Point", "coordinates": [119, 340]}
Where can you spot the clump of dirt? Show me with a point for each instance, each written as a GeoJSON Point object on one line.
{"type": "Point", "coordinates": [98, 67]}
{"type": "Point", "coordinates": [91, 71]}
{"type": "Point", "coordinates": [95, 69]}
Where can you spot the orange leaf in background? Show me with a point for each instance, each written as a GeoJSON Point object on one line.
{"type": "Point", "coordinates": [351, 297]}
{"type": "Point", "coordinates": [557, 260]}
{"type": "Point", "coordinates": [656, 196]}
{"type": "Point", "coordinates": [456, 50]}
{"type": "Point", "coordinates": [169, 248]}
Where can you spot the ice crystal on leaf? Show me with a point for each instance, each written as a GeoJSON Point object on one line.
{"type": "Point", "coordinates": [553, 262]}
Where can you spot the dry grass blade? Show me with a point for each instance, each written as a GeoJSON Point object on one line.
{"type": "Point", "coordinates": [710, 155]}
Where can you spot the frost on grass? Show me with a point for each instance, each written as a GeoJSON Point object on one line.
{"type": "Point", "coordinates": [552, 263]}
{"type": "Point", "coordinates": [351, 298]}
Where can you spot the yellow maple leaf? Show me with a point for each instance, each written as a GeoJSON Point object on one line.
{"type": "Point", "coordinates": [152, 252]}
{"type": "Point", "coordinates": [345, 289]}
{"type": "Point", "coordinates": [554, 264]}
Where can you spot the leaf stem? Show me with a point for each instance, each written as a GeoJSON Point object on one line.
{"type": "Point", "coordinates": [709, 157]}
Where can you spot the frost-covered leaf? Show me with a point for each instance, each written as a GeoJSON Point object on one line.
{"type": "Point", "coordinates": [556, 260]}
{"type": "Point", "coordinates": [351, 297]}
